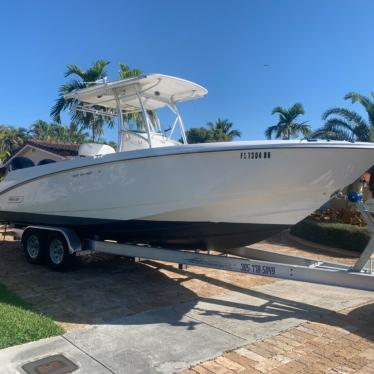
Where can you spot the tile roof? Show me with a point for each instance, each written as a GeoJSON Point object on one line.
{"type": "Point", "coordinates": [61, 149]}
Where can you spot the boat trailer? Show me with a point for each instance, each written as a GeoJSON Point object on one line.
{"type": "Point", "coordinates": [252, 261]}
{"type": "Point", "coordinates": [245, 260]}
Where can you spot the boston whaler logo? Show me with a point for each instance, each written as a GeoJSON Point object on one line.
{"type": "Point", "coordinates": [15, 199]}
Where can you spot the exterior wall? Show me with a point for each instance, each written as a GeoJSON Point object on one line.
{"type": "Point", "coordinates": [37, 155]}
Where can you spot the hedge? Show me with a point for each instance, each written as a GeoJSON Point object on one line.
{"type": "Point", "coordinates": [338, 235]}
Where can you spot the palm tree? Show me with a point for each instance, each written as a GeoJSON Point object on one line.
{"type": "Point", "coordinates": [58, 133]}
{"type": "Point", "coordinates": [75, 134]}
{"type": "Point", "coordinates": [345, 124]}
{"type": "Point", "coordinates": [85, 79]}
{"type": "Point", "coordinates": [11, 138]}
{"type": "Point", "coordinates": [197, 135]}
{"type": "Point", "coordinates": [287, 127]}
{"type": "Point", "coordinates": [41, 130]}
{"type": "Point", "coordinates": [219, 131]}
{"type": "Point", "coordinates": [125, 73]}
{"type": "Point", "coordinates": [222, 130]}
{"type": "Point", "coordinates": [68, 134]}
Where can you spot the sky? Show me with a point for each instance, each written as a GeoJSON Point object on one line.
{"type": "Point", "coordinates": [251, 55]}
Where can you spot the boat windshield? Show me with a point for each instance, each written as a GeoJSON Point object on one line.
{"type": "Point", "coordinates": [135, 122]}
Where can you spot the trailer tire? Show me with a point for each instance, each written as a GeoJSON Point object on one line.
{"type": "Point", "coordinates": [58, 255]}
{"type": "Point", "coordinates": [34, 247]}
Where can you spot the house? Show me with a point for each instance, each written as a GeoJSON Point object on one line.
{"type": "Point", "coordinates": [38, 150]}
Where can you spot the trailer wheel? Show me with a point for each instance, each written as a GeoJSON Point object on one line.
{"type": "Point", "coordinates": [58, 254]}
{"type": "Point", "coordinates": [34, 246]}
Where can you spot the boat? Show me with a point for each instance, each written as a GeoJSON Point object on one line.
{"type": "Point", "coordinates": [158, 190]}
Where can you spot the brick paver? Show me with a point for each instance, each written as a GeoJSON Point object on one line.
{"type": "Point", "coordinates": [117, 287]}
{"type": "Point", "coordinates": [340, 343]}
{"type": "Point", "coordinates": [115, 284]}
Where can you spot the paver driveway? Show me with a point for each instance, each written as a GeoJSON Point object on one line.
{"type": "Point", "coordinates": [125, 317]}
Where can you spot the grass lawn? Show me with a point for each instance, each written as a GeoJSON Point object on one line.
{"type": "Point", "coordinates": [19, 324]}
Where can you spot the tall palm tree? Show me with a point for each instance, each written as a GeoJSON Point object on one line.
{"type": "Point", "coordinates": [287, 126]}
{"type": "Point", "coordinates": [222, 130]}
{"type": "Point", "coordinates": [345, 124]}
{"type": "Point", "coordinates": [85, 79]}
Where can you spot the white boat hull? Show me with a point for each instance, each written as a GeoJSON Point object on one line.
{"type": "Point", "coordinates": [211, 195]}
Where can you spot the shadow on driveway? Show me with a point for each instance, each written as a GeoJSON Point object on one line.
{"type": "Point", "coordinates": [105, 289]}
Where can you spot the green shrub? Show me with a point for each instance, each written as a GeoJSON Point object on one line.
{"type": "Point", "coordinates": [338, 235]}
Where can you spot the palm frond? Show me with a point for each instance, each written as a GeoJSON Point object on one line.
{"type": "Point", "coordinates": [97, 71]}
{"type": "Point", "coordinates": [270, 130]}
{"type": "Point", "coordinates": [74, 69]}
{"type": "Point", "coordinates": [331, 111]}
{"type": "Point", "coordinates": [296, 110]}
{"type": "Point", "coordinates": [347, 114]}
{"type": "Point", "coordinates": [362, 133]}
{"type": "Point", "coordinates": [365, 101]}
{"type": "Point", "coordinates": [125, 71]}
{"type": "Point", "coordinates": [338, 123]}
{"type": "Point", "coordinates": [61, 103]}
{"type": "Point", "coordinates": [282, 131]}
{"type": "Point", "coordinates": [337, 134]}
{"type": "Point", "coordinates": [357, 97]}
{"type": "Point", "coordinates": [57, 108]}
{"type": "Point", "coordinates": [234, 134]}
{"type": "Point", "coordinates": [279, 110]}
{"type": "Point", "coordinates": [302, 128]}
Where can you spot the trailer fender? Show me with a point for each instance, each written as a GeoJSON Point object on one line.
{"type": "Point", "coordinates": [72, 239]}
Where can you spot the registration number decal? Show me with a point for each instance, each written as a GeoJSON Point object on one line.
{"type": "Point", "coordinates": [255, 155]}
